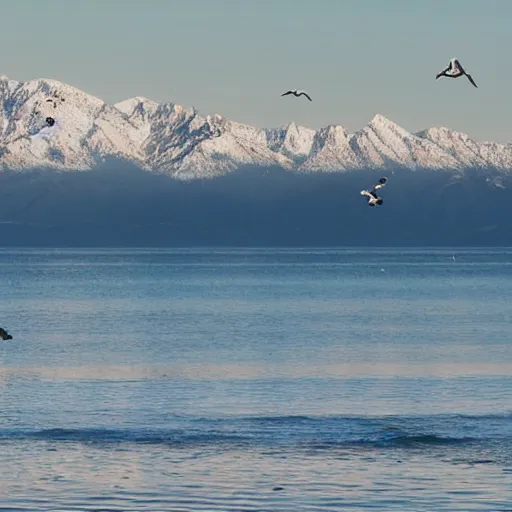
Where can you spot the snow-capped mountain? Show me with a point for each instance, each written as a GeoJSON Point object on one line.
{"type": "Point", "coordinates": [170, 138]}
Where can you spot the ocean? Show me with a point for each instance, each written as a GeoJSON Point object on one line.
{"type": "Point", "coordinates": [256, 380]}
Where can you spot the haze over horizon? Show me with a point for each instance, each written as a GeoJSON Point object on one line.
{"type": "Point", "coordinates": [236, 58]}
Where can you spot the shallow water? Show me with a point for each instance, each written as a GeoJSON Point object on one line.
{"type": "Point", "coordinates": [243, 380]}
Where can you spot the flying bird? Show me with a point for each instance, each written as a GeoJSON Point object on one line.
{"type": "Point", "coordinates": [48, 130]}
{"type": "Point", "coordinates": [373, 198]}
{"type": "Point", "coordinates": [54, 100]}
{"type": "Point", "coordinates": [50, 123]}
{"type": "Point", "coordinates": [4, 334]}
{"type": "Point", "coordinates": [298, 93]}
{"type": "Point", "coordinates": [454, 70]}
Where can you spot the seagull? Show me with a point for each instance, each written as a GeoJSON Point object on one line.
{"type": "Point", "coordinates": [4, 334]}
{"type": "Point", "coordinates": [54, 100]}
{"type": "Point", "coordinates": [49, 129]}
{"type": "Point", "coordinates": [454, 70]}
{"type": "Point", "coordinates": [297, 93]}
{"type": "Point", "coordinates": [373, 198]}
{"type": "Point", "coordinates": [39, 110]}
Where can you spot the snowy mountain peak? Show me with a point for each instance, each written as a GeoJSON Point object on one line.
{"type": "Point", "coordinates": [334, 133]}
{"type": "Point", "coordinates": [381, 125]}
{"type": "Point", "coordinates": [291, 141]}
{"type": "Point", "coordinates": [332, 150]}
{"type": "Point", "coordinates": [379, 119]}
{"type": "Point", "coordinates": [167, 137]}
{"type": "Point", "coordinates": [138, 104]}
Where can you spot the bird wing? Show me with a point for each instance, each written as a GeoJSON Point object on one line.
{"type": "Point", "coordinates": [307, 96]}
{"type": "Point", "coordinates": [441, 73]}
{"type": "Point", "coordinates": [382, 182]}
{"type": "Point", "coordinates": [366, 193]}
{"type": "Point", "coordinates": [286, 93]}
{"type": "Point", "coordinates": [470, 78]}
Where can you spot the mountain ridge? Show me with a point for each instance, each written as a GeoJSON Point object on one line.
{"type": "Point", "coordinates": [178, 141]}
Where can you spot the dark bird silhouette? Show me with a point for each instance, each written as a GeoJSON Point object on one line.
{"type": "Point", "coordinates": [298, 93]}
{"type": "Point", "coordinates": [455, 70]}
{"type": "Point", "coordinates": [54, 100]}
{"type": "Point", "coordinates": [4, 334]}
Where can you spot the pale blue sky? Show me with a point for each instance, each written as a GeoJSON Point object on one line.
{"type": "Point", "coordinates": [235, 57]}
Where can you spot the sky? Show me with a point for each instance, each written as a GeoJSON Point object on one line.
{"type": "Point", "coordinates": [236, 57]}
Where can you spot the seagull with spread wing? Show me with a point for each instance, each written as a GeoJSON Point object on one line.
{"type": "Point", "coordinates": [455, 70]}
{"type": "Point", "coordinates": [373, 198]}
{"type": "Point", "coordinates": [297, 93]}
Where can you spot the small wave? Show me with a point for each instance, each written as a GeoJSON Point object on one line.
{"type": "Point", "coordinates": [173, 438]}
{"type": "Point", "coordinates": [293, 431]}
{"type": "Point", "coordinates": [399, 441]}
{"type": "Point", "coordinates": [428, 439]}
{"type": "Point", "coordinates": [117, 436]}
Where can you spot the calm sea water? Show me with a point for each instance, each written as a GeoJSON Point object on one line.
{"type": "Point", "coordinates": [244, 380]}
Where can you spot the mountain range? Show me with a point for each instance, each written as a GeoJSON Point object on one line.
{"type": "Point", "coordinates": [179, 142]}
{"type": "Point", "coordinates": [139, 173]}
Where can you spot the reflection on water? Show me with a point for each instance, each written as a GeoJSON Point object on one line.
{"type": "Point", "coordinates": [217, 371]}
{"type": "Point", "coordinates": [149, 479]}
{"type": "Point", "coordinates": [243, 380]}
